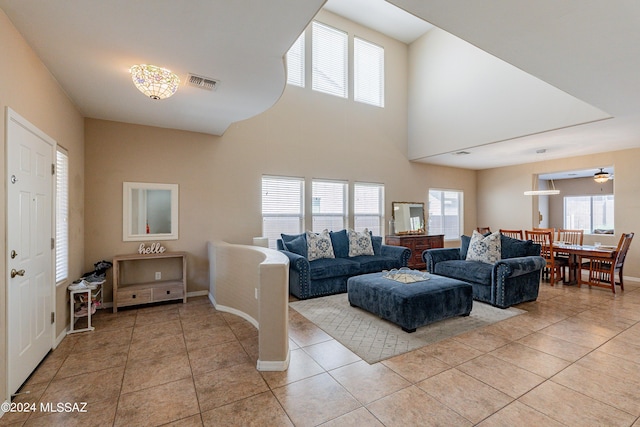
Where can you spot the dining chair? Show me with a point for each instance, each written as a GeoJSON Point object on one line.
{"type": "Point", "coordinates": [572, 237]}
{"type": "Point", "coordinates": [484, 230]}
{"type": "Point", "coordinates": [554, 266]}
{"type": "Point", "coordinates": [601, 271]}
{"type": "Point", "coordinates": [516, 234]}
{"type": "Point", "coordinates": [552, 230]}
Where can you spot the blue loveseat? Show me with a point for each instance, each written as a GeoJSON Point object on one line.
{"type": "Point", "coordinates": [512, 280]}
{"type": "Point", "coordinates": [326, 276]}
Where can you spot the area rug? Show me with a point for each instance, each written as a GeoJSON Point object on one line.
{"type": "Point", "coordinates": [375, 339]}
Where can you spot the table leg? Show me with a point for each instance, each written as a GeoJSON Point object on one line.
{"type": "Point", "coordinates": [573, 269]}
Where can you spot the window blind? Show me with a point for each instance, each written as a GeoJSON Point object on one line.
{"type": "Point", "coordinates": [368, 207]}
{"type": "Point", "coordinates": [329, 60]}
{"type": "Point", "coordinates": [368, 72]}
{"type": "Point", "coordinates": [295, 62]}
{"type": "Point", "coordinates": [329, 205]}
{"type": "Point", "coordinates": [282, 207]}
{"type": "Point", "coordinates": [62, 215]}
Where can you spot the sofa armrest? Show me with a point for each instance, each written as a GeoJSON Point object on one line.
{"type": "Point", "coordinates": [433, 256]}
{"type": "Point", "coordinates": [516, 280]}
{"type": "Point", "coordinates": [400, 253]}
{"type": "Point", "coordinates": [299, 275]}
{"type": "Point", "coordinates": [514, 267]}
{"type": "Point", "coordinates": [297, 262]}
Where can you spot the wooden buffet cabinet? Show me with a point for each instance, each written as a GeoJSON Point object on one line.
{"type": "Point", "coordinates": [417, 243]}
{"type": "Point", "coordinates": [135, 281]}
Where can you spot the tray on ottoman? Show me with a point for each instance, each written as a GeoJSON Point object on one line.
{"type": "Point", "coordinates": [410, 305]}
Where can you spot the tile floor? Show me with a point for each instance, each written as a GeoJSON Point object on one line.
{"type": "Point", "coordinates": [573, 359]}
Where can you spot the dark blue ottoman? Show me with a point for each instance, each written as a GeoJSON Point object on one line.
{"type": "Point", "coordinates": [411, 305]}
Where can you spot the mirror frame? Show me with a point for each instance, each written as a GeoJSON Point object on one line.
{"type": "Point", "coordinates": [127, 192]}
{"type": "Point", "coordinates": [423, 230]}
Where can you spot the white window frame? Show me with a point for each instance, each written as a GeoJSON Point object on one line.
{"type": "Point", "coordinates": [292, 193]}
{"type": "Point", "coordinates": [363, 213]}
{"type": "Point", "coordinates": [62, 216]}
{"type": "Point", "coordinates": [436, 225]}
{"type": "Point", "coordinates": [569, 224]}
{"type": "Point", "coordinates": [319, 213]}
{"type": "Point", "coordinates": [329, 60]}
{"type": "Point", "coordinates": [296, 62]}
{"type": "Point", "coordinates": [368, 72]}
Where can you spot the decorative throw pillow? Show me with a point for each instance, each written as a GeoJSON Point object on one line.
{"type": "Point", "coordinates": [319, 245]}
{"type": "Point", "coordinates": [512, 248]}
{"type": "Point", "coordinates": [484, 249]}
{"type": "Point", "coordinates": [464, 246]}
{"type": "Point", "coordinates": [340, 243]}
{"type": "Point", "coordinates": [360, 243]}
{"type": "Point", "coordinates": [297, 245]}
{"type": "Point", "coordinates": [376, 242]}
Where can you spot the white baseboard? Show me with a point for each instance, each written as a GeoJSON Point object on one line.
{"type": "Point", "coordinates": [631, 279]}
{"type": "Point", "coordinates": [60, 337]}
{"type": "Point", "coordinates": [232, 310]}
{"type": "Point", "coordinates": [264, 365]}
{"type": "Point", "coordinates": [197, 294]}
{"type": "Point", "coordinates": [5, 404]}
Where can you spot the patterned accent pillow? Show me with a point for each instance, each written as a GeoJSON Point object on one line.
{"type": "Point", "coordinates": [360, 243]}
{"type": "Point", "coordinates": [484, 249]}
{"type": "Point", "coordinates": [319, 245]}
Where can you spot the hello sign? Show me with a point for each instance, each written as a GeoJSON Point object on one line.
{"type": "Point", "coordinates": [154, 248]}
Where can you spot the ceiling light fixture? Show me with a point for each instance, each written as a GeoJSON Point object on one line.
{"type": "Point", "coordinates": [601, 176]}
{"type": "Point", "coordinates": [551, 192]}
{"type": "Point", "coordinates": [155, 82]}
{"type": "Point", "coordinates": [534, 192]}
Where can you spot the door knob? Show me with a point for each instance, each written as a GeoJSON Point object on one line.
{"type": "Point", "coordinates": [15, 273]}
{"type": "Point", "coordinates": [13, 254]}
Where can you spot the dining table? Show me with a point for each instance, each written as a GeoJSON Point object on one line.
{"type": "Point", "coordinates": [576, 252]}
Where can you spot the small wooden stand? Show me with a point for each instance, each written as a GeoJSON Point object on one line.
{"type": "Point", "coordinates": [147, 290]}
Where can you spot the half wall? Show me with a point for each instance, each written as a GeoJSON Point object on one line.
{"type": "Point", "coordinates": [253, 283]}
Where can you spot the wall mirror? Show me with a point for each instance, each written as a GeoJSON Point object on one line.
{"type": "Point", "coordinates": [408, 218]}
{"type": "Point", "coordinates": [149, 211]}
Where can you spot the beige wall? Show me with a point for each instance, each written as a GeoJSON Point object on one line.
{"type": "Point", "coordinates": [501, 203]}
{"type": "Point", "coordinates": [306, 134]}
{"type": "Point", "coordinates": [462, 96]}
{"type": "Point", "coordinates": [28, 88]}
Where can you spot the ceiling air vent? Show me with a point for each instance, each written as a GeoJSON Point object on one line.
{"type": "Point", "coordinates": [203, 82]}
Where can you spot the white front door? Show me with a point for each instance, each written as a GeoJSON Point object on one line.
{"type": "Point", "coordinates": [30, 155]}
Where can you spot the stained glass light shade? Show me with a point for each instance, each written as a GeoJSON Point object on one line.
{"type": "Point", "coordinates": [155, 82]}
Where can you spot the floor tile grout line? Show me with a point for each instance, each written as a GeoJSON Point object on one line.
{"type": "Point", "coordinates": [576, 312]}
{"type": "Point", "coordinates": [536, 409]}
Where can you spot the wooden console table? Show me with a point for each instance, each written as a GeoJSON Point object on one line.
{"type": "Point", "coordinates": [137, 279]}
{"type": "Point", "coordinates": [418, 243]}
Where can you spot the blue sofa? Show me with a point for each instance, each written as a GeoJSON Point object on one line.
{"type": "Point", "coordinates": [512, 280]}
{"type": "Point", "coordinates": [326, 276]}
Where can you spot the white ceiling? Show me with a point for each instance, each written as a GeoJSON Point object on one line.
{"type": "Point", "coordinates": [381, 16]}
{"type": "Point", "coordinates": [587, 49]}
{"type": "Point", "coordinates": [90, 45]}
{"type": "Point", "coordinates": [590, 50]}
